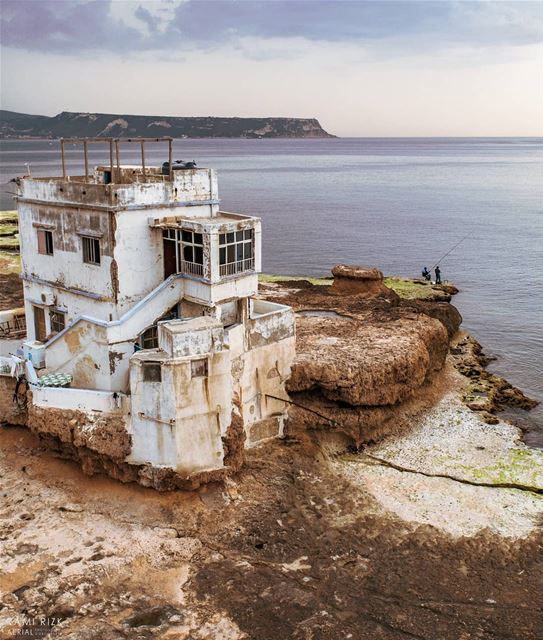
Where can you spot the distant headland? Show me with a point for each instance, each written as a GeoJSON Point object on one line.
{"type": "Point", "coordinates": [72, 124]}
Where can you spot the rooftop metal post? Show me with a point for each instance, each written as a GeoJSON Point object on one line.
{"type": "Point", "coordinates": [118, 160]}
{"type": "Point", "coordinates": [111, 157]}
{"type": "Point", "coordinates": [63, 158]}
{"type": "Point", "coordinates": [170, 158]}
{"type": "Point", "coordinates": [86, 153]}
{"type": "Point", "coordinates": [143, 158]}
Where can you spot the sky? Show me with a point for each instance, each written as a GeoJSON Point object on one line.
{"type": "Point", "coordinates": [375, 68]}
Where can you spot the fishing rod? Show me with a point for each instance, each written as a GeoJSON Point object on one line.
{"type": "Point", "coordinates": [450, 250]}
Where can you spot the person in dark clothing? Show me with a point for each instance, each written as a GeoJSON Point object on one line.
{"type": "Point", "coordinates": [438, 275]}
{"type": "Point", "coordinates": [426, 274]}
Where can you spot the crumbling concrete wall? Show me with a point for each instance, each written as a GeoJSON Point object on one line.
{"type": "Point", "coordinates": [12, 409]}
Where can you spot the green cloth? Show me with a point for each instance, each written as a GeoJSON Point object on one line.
{"type": "Point", "coordinates": [56, 380]}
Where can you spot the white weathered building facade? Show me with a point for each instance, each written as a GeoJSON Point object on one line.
{"type": "Point", "coordinates": [142, 291]}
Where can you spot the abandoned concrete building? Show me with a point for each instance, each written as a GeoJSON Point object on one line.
{"type": "Point", "coordinates": [146, 353]}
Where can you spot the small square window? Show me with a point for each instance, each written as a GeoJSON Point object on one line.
{"type": "Point", "coordinates": [91, 250]}
{"type": "Point", "coordinates": [58, 321]}
{"type": "Point", "coordinates": [152, 372]}
{"type": "Point", "coordinates": [186, 236]}
{"type": "Point", "coordinates": [239, 236]}
{"type": "Point", "coordinates": [45, 242]}
{"type": "Point", "coordinates": [198, 368]}
{"type": "Point", "coordinates": [248, 234]}
{"type": "Point", "coordinates": [222, 238]}
{"type": "Point", "coordinates": [230, 237]}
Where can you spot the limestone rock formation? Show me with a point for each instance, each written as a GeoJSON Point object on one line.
{"type": "Point", "coordinates": [367, 364]}
{"type": "Point", "coordinates": [367, 281]}
{"type": "Point", "coordinates": [362, 353]}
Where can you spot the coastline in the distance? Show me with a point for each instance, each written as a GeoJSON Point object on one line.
{"type": "Point", "coordinates": [15, 125]}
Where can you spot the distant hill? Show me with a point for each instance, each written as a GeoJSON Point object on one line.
{"type": "Point", "coordinates": [69, 124]}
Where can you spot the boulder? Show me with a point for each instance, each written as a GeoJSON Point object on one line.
{"type": "Point", "coordinates": [357, 280]}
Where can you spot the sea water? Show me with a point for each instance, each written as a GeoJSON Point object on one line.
{"type": "Point", "coordinates": [395, 203]}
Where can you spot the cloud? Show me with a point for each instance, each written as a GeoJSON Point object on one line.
{"type": "Point", "coordinates": [124, 26]}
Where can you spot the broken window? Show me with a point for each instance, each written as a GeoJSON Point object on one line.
{"type": "Point", "coordinates": [45, 242]}
{"type": "Point", "coordinates": [152, 372]}
{"type": "Point", "coordinates": [58, 321]}
{"type": "Point", "coordinates": [91, 250]}
{"type": "Point", "coordinates": [198, 368]}
{"type": "Point", "coordinates": [236, 253]}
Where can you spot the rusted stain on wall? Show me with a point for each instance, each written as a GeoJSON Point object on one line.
{"type": "Point", "coordinates": [114, 274]}
{"type": "Point", "coordinates": [73, 338]}
{"type": "Point", "coordinates": [114, 357]}
{"type": "Point", "coordinates": [84, 372]}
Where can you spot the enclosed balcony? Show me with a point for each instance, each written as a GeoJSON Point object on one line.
{"type": "Point", "coordinates": [212, 249]}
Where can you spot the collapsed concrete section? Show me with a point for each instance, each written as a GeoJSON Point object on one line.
{"type": "Point", "coordinates": [146, 354]}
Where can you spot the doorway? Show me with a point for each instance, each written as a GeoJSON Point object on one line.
{"type": "Point", "coordinates": [39, 324]}
{"type": "Point", "coordinates": [170, 259]}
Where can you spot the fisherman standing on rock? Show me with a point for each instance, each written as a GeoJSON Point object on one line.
{"type": "Point", "coordinates": [438, 274]}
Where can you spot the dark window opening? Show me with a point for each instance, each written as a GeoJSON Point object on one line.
{"type": "Point", "coordinates": [45, 242]}
{"type": "Point", "coordinates": [152, 372]}
{"type": "Point", "coordinates": [149, 338]}
{"type": "Point", "coordinates": [91, 250]}
{"type": "Point", "coordinates": [198, 368]}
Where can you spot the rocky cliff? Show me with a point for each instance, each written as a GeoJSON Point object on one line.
{"type": "Point", "coordinates": [71, 124]}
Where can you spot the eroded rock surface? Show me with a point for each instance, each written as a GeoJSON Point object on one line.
{"type": "Point", "coordinates": [361, 352]}
{"type": "Point", "coordinates": [352, 361]}
{"type": "Point", "coordinates": [362, 281]}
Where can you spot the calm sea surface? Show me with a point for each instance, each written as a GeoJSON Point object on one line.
{"type": "Point", "coordinates": [397, 204]}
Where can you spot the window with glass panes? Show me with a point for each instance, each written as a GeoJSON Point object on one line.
{"type": "Point", "coordinates": [192, 245]}
{"type": "Point", "coordinates": [189, 253]}
{"type": "Point", "coordinates": [236, 252]}
{"type": "Point", "coordinates": [58, 321]}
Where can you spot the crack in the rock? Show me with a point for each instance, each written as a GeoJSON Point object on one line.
{"type": "Point", "coordinates": [473, 483]}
